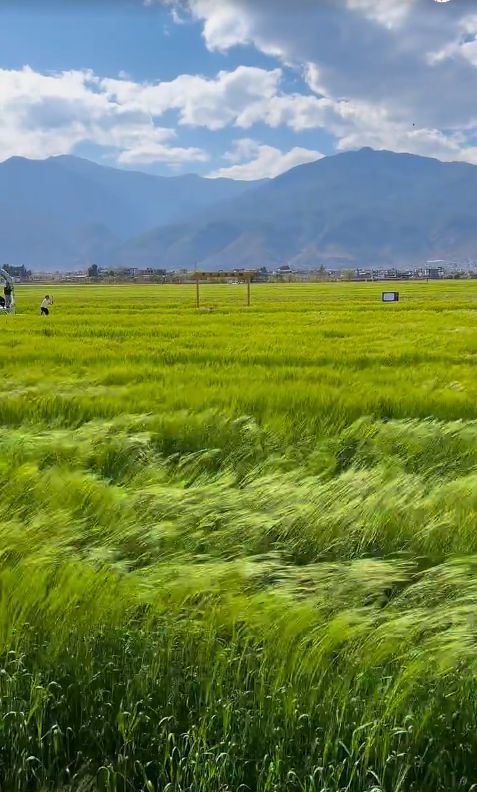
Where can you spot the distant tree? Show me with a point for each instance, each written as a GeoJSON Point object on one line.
{"type": "Point", "coordinates": [93, 271]}
{"type": "Point", "coordinates": [322, 274]}
{"type": "Point", "coordinates": [348, 274]}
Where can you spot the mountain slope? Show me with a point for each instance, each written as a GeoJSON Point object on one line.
{"type": "Point", "coordinates": [351, 209]}
{"type": "Point", "coordinates": [65, 211]}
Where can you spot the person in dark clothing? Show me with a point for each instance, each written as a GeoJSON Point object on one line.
{"type": "Point", "coordinates": [7, 291]}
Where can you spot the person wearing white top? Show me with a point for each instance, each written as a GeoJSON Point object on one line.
{"type": "Point", "coordinates": [45, 306]}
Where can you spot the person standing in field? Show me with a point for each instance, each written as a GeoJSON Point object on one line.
{"type": "Point", "coordinates": [45, 305]}
{"type": "Point", "coordinates": [7, 291]}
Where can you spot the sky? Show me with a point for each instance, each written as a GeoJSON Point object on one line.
{"type": "Point", "coordinates": [244, 89]}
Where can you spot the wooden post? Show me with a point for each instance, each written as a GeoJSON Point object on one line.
{"type": "Point", "coordinates": [197, 292]}
{"type": "Point", "coordinates": [248, 292]}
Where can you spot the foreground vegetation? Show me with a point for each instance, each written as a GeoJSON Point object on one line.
{"type": "Point", "coordinates": [239, 547]}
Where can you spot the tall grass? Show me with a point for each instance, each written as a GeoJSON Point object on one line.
{"type": "Point", "coordinates": [238, 548]}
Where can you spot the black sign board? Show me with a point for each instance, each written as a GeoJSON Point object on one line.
{"type": "Point", "coordinates": [390, 297]}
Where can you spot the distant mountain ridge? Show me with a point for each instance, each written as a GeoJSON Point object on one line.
{"type": "Point", "coordinates": [356, 208]}
{"type": "Point", "coordinates": [352, 209]}
{"type": "Point", "coordinates": [66, 212]}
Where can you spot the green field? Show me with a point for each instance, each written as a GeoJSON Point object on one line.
{"type": "Point", "coordinates": [239, 545]}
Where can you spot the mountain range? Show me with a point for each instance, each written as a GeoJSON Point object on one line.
{"type": "Point", "coordinates": [66, 212]}
{"type": "Point", "coordinates": [352, 209]}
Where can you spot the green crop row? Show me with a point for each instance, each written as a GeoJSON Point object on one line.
{"type": "Point", "coordinates": [238, 546]}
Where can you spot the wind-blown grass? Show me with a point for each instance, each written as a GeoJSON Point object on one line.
{"type": "Point", "coordinates": [238, 548]}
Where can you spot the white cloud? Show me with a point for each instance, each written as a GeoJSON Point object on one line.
{"type": "Point", "coordinates": [223, 26]}
{"type": "Point", "coordinates": [48, 114]}
{"type": "Point", "coordinates": [389, 13]}
{"type": "Point", "coordinates": [464, 45]}
{"type": "Point", "coordinates": [396, 74]}
{"type": "Point", "coordinates": [251, 160]}
{"type": "Point", "coordinates": [200, 101]}
{"type": "Point", "coordinates": [147, 152]}
{"type": "Point", "coordinates": [421, 102]}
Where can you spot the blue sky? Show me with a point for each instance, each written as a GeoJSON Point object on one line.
{"type": "Point", "coordinates": [238, 88]}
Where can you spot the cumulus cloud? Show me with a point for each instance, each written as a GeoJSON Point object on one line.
{"type": "Point", "coordinates": [48, 114]}
{"type": "Point", "coordinates": [251, 160]}
{"type": "Point", "coordinates": [213, 103]}
{"type": "Point", "coordinates": [462, 45]}
{"type": "Point", "coordinates": [391, 74]}
{"type": "Point", "coordinates": [389, 13]}
{"type": "Point", "coordinates": [148, 151]}
{"type": "Point", "coordinates": [381, 73]}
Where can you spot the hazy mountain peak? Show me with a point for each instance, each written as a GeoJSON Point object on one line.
{"type": "Point", "coordinates": [355, 208]}
{"type": "Point", "coordinates": [55, 206]}
{"type": "Point", "coordinates": [351, 209]}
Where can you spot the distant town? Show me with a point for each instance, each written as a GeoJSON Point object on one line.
{"type": "Point", "coordinates": [432, 270]}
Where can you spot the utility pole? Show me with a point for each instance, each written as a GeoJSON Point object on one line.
{"type": "Point", "coordinates": [197, 291]}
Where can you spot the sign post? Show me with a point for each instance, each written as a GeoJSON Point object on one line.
{"type": "Point", "coordinates": [248, 292]}
{"type": "Point", "coordinates": [390, 296]}
{"type": "Point", "coordinates": [197, 291]}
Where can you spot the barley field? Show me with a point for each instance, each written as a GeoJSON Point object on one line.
{"type": "Point", "coordinates": [239, 545]}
